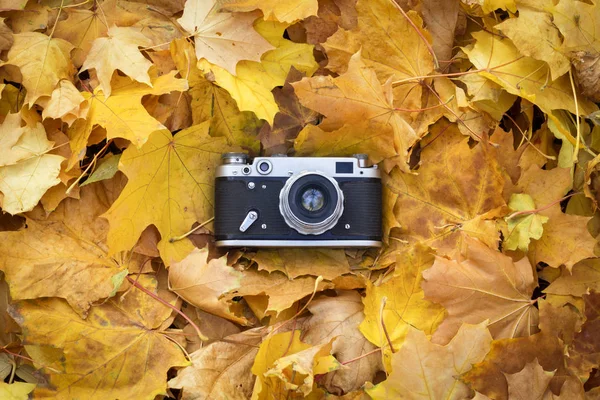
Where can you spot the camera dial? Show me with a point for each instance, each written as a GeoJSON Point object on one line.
{"type": "Point", "coordinates": [311, 202]}
{"type": "Point", "coordinates": [234, 158]}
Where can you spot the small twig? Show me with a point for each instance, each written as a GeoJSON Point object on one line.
{"type": "Point", "coordinates": [387, 336]}
{"type": "Point", "coordinates": [527, 212]}
{"type": "Point", "coordinates": [176, 238]}
{"type": "Point", "coordinates": [576, 150]}
{"type": "Point", "coordinates": [171, 306]}
{"type": "Point", "coordinates": [92, 163]}
{"type": "Point", "coordinates": [363, 356]}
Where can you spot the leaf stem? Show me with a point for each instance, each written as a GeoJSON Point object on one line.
{"type": "Point", "coordinates": [177, 238]}
{"type": "Point", "coordinates": [576, 150]}
{"type": "Point", "coordinates": [547, 206]}
{"type": "Point", "coordinates": [387, 336]}
{"type": "Point", "coordinates": [171, 306]}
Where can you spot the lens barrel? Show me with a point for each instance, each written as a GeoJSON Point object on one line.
{"type": "Point", "coordinates": [311, 202]}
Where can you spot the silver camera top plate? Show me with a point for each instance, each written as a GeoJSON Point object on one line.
{"type": "Point", "coordinates": [335, 167]}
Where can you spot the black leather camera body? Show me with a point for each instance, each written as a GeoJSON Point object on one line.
{"type": "Point", "coordinates": [283, 201]}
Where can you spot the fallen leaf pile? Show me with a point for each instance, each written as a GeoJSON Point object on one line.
{"type": "Point", "coordinates": [480, 114]}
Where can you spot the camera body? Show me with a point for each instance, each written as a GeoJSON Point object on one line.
{"type": "Point", "coordinates": [297, 202]}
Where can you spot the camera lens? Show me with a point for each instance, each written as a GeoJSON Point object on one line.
{"type": "Point", "coordinates": [311, 202]}
{"type": "Point", "coordinates": [312, 199]}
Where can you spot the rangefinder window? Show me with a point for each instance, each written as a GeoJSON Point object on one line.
{"type": "Point", "coordinates": [297, 202]}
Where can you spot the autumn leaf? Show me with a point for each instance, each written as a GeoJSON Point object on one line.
{"type": "Point", "coordinates": [251, 86]}
{"type": "Point", "coordinates": [43, 62]}
{"type": "Point", "coordinates": [121, 114]}
{"type": "Point", "coordinates": [393, 306]}
{"type": "Point", "coordinates": [585, 348]}
{"type": "Point", "coordinates": [328, 263]}
{"type": "Point", "coordinates": [422, 369]}
{"type": "Point", "coordinates": [276, 10]}
{"type": "Point", "coordinates": [202, 282]}
{"type": "Point", "coordinates": [26, 170]}
{"type": "Point", "coordinates": [223, 39]}
{"type": "Point", "coordinates": [357, 97]}
{"type": "Point", "coordinates": [16, 390]}
{"type": "Point", "coordinates": [339, 318]}
{"type": "Point", "coordinates": [67, 253]}
{"type": "Point", "coordinates": [462, 286]}
{"type": "Point", "coordinates": [521, 229]}
{"type": "Point", "coordinates": [165, 177]}
{"type": "Point", "coordinates": [441, 202]}
{"type": "Point", "coordinates": [584, 276]}
{"type": "Point", "coordinates": [124, 334]}
{"type": "Point", "coordinates": [532, 379]}
{"type": "Point", "coordinates": [217, 365]}
{"type": "Point", "coordinates": [118, 51]}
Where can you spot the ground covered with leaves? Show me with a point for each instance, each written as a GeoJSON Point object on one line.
{"type": "Point", "coordinates": [481, 115]}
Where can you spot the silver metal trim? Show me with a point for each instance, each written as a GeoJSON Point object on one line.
{"type": "Point", "coordinates": [298, 243]}
{"type": "Point", "coordinates": [282, 166]}
{"type": "Point", "coordinates": [296, 223]}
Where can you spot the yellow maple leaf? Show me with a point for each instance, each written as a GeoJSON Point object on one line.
{"type": "Point", "coordinates": [171, 185]}
{"type": "Point", "coordinates": [357, 97]}
{"type": "Point", "coordinates": [251, 86]}
{"type": "Point", "coordinates": [26, 170]}
{"type": "Point", "coordinates": [119, 51]}
{"type": "Point", "coordinates": [43, 62]}
{"type": "Point", "coordinates": [67, 246]}
{"type": "Point", "coordinates": [457, 189]}
{"type": "Point", "coordinates": [211, 102]}
{"type": "Point", "coordinates": [224, 39]}
{"type": "Point", "coordinates": [285, 366]}
{"type": "Point", "coordinates": [274, 10]}
{"type": "Point", "coordinates": [522, 75]}
{"type": "Point", "coordinates": [328, 263]}
{"type": "Point", "coordinates": [66, 103]}
{"type": "Point", "coordinates": [398, 303]}
{"type": "Point", "coordinates": [117, 349]}
{"type": "Point", "coordinates": [122, 114]}
{"type": "Point", "coordinates": [424, 370]}
{"type": "Point", "coordinates": [16, 390]}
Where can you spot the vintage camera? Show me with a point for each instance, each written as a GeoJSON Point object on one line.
{"type": "Point", "coordinates": [297, 202]}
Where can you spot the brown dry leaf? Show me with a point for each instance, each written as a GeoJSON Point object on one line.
{"type": "Point", "coordinates": [479, 285]}
{"type": "Point", "coordinates": [328, 263]}
{"type": "Point", "coordinates": [529, 383]}
{"type": "Point", "coordinates": [118, 349]}
{"type": "Point", "coordinates": [289, 120]}
{"type": "Point", "coordinates": [584, 352]}
{"type": "Point", "coordinates": [559, 321]}
{"type": "Point", "coordinates": [66, 255]}
{"type": "Point", "coordinates": [280, 291]}
{"type": "Point", "coordinates": [440, 19]}
{"type": "Point", "coordinates": [422, 369]}
{"type": "Point", "coordinates": [354, 97]}
{"type": "Point", "coordinates": [339, 318]}
{"type": "Point", "coordinates": [6, 36]}
{"type": "Point", "coordinates": [202, 282]}
{"type": "Point", "coordinates": [565, 240]}
{"type": "Point", "coordinates": [223, 39]}
{"type": "Point", "coordinates": [509, 356]}
{"type": "Point", "coordinates": [221, 370]}
{"type": "Point", "coordinates": [43, 62]}
{"type": "Point", "coordinates": [443, 202]}
{"type": "Point", "coordinates": [579, 280]}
